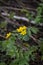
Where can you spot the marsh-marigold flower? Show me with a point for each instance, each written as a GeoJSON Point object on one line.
{"type": "Point", "coordinates": [8, 35]}
{"type": "Point", "coordinates": [20, 29]}
{"type": "Point", "coordinates": [24, 27]}
{"type": "Point", "coordinates": [23, 32]}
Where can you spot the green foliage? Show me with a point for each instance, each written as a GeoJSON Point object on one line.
{"type": "Point", "coordinates": [11, 15]}
{"type": "Point", "coordinates": [34, 30]}
{"type": "Point", "coordinates": [3, 24]}
{"type": "Point", "coordinates": [41, 45]}
{"type": "Point", "coordinates": [23, 56]}
{"type": "Point", "coordinates": [25, 38]}
{"type": "Point", "coordinates": [39, 17]}
{"type": "Point", "coordinates": [42, 57]}
{"type": "Point", "coordinates": [2, 63]}
{"type": "Point", "coordinates": [8, 46]}
{"type": "Point", "coordinates": [28, 14]}
{"type": "Point", "coordinates": [30, 31]}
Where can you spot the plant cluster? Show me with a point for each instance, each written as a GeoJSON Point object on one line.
{"type": "Point", "coordinates": [15, 49]}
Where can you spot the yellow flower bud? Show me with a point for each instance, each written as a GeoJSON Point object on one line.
{"type": "Point", "coordinates": [26, 44]}
{"type": "Point", "coordinates": [8, 35]}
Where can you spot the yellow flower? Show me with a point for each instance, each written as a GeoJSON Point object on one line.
{"type": "Point", "coordinates": [8, 35]}
{"type": "Point", "coordinates": [20, 29]}
{"type": "Point", "coordinates": [23, 32]}
{"type": "Point", "coordinates": [24, 27]}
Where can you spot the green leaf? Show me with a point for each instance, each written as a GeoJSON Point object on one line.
{"type": "Point", "coordinates": [12, 51]}
{"type": "Point", "coordinates": [41, 45]}
{"type": "Point", "coordinates": [26, 38]}
{"type": "Point", "coordinates": [33, 57]}
{"type": "Point", "coordinates": [11, 15]}
{"type": "Point", "coordinates": [42, 57]}
{"type": "Point", "coordinates": [34, 30]}
{"type": "Point", "coordinates": [8, 43]}
{"type": "Point", "coordinates": [20, 36]}
{"type": "Point", "coordinates": [22, 62]}
{"type": "Point", "coordinates": [3, 24]}
{"type": "Point", "coordinates": [39, 17]}
{"type": "Point", "coordinates": [2, 63]}
{"type": "Point", "coordinates": [15, 62]}
{"type": "Point", "coordinates": [29, 31]}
